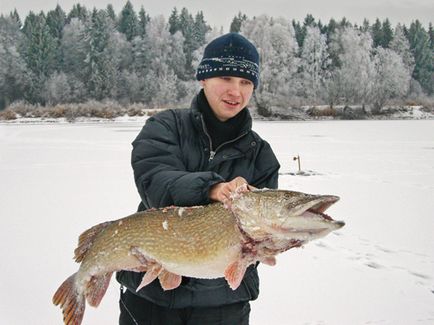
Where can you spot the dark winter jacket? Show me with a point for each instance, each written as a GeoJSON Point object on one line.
{"type": "Point", "coordinates": [174, 164]}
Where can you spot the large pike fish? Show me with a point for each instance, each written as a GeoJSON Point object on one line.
{"type": "Point", "coordinates": [204, 242]}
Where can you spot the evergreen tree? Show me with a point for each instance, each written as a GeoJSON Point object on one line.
{"type": "Point", "coordinates": [111, 12]}
{"type": "Point", "coordinates": [309, 21]}
{"type": "Point", "coordinates": [174, 23]}
{"type": "Point", "coordinates": [143, 21]}
{"type": "Point", "coordinates": [78, 11]}
{"type": "Point", "coordinates": [322, 28]}
{"type": "Point", "coordinates": [387, 33]}
{"type": "Point", "coordinates": [377, 33]}
{"type": "Point", "coordinates": [237, 21]}
{"type": "Point", "coordinates": [344, 23]}
{"type": "Point", "coordinates": [299, 33]}
{"type": "Point", "coordinates": [14, 76]}
{"type": "Point", "coordinates": [424, 67]}
{"type": "Point", "coordinates": [331, 29]}
{"type": "Point", "coordinates": [431, 36]}
{"type": "Point", "coordinates": [56, 20]}
{"type": "Point", "coordinates": [186, 23]}
{"type": "Point", "coordinates": [16, 17]}
{"type": "Point", "coordinates": [128, 22]}
{"type": "Point", "coordinates": [100, 64]}
{"type": "Point", "coordinates": [365, 26]}
{"type": "Point", "coordinates": [10, 33]}
{"type": "Point", "coordinates": [200, 28]}
{"type": "Point", "coordinates": [39, 52]}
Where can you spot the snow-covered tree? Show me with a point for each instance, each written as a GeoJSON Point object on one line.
{"type": "Point", "coordinates": [14, 76]}
{"type": "Point", "coordinates": [163, 50]}
{"type": "Point", "coordinates": [353, 80]}
{"type": "Point", "coordinates": [73, 47]}
{"type": "Point", "coordinates": [78, 11]}
{"type": "Point", "coordinates": [277, 47]}
{"type": "Point", "coordinates": [392, 78]}
{"type": "Point", "coordinates": [130, 87]}
{"type": "Point", "coordinates": [128, 23]}
{"type": "Point", "coordinates": [57, 89]}
{"type": "Point", "coordinates": [401, 46]}
{"type": "Point", "coordinates": [236, 23]}
{"type": "Point", "coordinates": [39, 52]}
{"type": "Point", "coordinates": [100, 65]}
{"type": "Point", "coordinates": [314, 64]}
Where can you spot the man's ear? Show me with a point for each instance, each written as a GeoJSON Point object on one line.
{"type": "Point", "coordinates": [202, 83]}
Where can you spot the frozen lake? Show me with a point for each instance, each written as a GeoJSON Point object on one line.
{"type": "Point", "coordinates": [58, 180]}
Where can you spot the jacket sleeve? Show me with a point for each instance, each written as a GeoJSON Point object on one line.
{"type": "Point", "coordinates": [159, 171]}
{"type": "Point", "coordinates": [266, 168]}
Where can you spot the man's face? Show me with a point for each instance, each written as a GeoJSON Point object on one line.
{"type": "Point", "coordinates": [227, 96]}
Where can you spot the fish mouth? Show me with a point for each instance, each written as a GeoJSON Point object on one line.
{"type": "Point", "coordinates": [317, 208]}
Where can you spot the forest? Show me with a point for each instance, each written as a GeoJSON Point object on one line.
{"type": "Point", "coordinates": [100, 58]}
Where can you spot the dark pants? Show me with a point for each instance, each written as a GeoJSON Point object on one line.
{"type": "Point", "coordinates": [139, 311]}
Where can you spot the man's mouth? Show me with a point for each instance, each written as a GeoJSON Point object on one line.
{"type": "Point", "coordinates": [231, 102]}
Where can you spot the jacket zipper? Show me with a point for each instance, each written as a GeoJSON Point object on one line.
{"type": "Point", "coordinates": [211, 152]}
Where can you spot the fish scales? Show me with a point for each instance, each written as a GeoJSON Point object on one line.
{"type": "Point", "coordinates": [204, 242]}
{"type": "Point", "coordinates": [182, 243]}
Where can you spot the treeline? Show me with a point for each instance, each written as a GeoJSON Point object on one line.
{"type": "Point", "coordinates": [130, 57]}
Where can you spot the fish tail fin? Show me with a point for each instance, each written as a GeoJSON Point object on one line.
{"type": "Point", "coordinates": [86, 240]}
{"type": "Point", "coordinates": [96, 288]}
{"type": "Point", "coordinates": [234, 273]}
{"type": "Point", "coordinates": [71, 301]}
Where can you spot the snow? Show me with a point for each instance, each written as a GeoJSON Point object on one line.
{"type": "Point", "coordinates": [59, 179]}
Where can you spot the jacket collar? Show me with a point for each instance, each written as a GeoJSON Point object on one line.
{"type": "Point", "coordinates": [198, 119]}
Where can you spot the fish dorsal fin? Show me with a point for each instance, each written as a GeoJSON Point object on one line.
{"type": "Point", "coordinates": [86, 240]}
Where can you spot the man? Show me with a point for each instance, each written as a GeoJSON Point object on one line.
{"type": "Point", "coordinates": [194, 157]}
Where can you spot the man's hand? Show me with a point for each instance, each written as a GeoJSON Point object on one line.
{"type": "Point", "coordinates": [222, 192]}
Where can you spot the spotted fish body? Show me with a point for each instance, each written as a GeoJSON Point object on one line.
{"type": "Point", "coordinates": [204, 242]}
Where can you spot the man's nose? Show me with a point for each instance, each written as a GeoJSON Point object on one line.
{"type": "Point", "coordinates": [235, 88]}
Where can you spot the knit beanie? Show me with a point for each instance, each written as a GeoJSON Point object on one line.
{"type": "Point", "coordinates": [230, 55]}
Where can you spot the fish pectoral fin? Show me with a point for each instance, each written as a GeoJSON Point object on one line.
{"type": "Point", "coordinates": [234, 273]}
{"type": "Point", "coordinates": [96, 288]}
{"type": "Point", "coordinates": [169, 280]}
{"type": "Point", "coordinates": [142, 258]}
{"type": "Point", "coordinates": [269, 260]}
{"type": "Point", "coordinates": [152, 272]}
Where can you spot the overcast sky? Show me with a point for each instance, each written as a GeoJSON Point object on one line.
{"type": "Point", "coordinates": [220, 12]}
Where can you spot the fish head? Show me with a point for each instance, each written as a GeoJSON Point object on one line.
{"type": "Point", "coordinates": [285, 216]}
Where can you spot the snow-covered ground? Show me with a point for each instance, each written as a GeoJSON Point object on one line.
{"type": "Point", "coordinates": [57, 180]}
